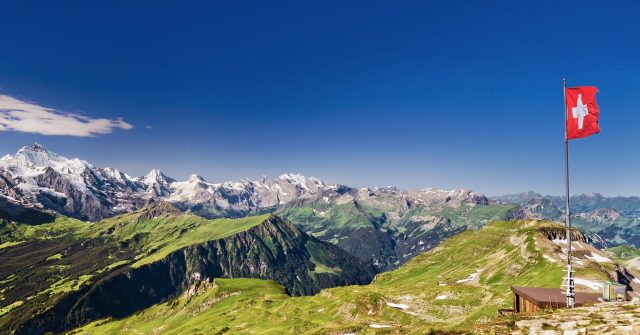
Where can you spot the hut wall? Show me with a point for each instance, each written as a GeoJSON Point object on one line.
{"type": "Point", "coordinates": [524, 306]}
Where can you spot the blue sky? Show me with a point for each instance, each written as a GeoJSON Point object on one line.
{"type": "Point", "coordinates": [406, 93]}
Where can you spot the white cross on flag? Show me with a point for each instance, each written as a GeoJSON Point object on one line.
{"type": "Point", "coordinates": [581, 112]}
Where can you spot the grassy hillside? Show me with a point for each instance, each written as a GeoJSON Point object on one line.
{"type": "Point", "coordinates": [13, 233]}
{"type": "Point", "coordinates": [65, 273]}
{"type": "Point", "coordinates": [624, 252]}
{"type": "Point", "coordinates": [462, 281]}
{"type": "Point", "coordinates": [627, 255]}
{"type": "Point", "coordinates": [44, 262]}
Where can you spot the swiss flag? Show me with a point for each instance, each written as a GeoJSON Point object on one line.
{"type": "Point", "coordinates": [581, 111]}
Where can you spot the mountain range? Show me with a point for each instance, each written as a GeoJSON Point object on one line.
{"type": "Point", "coordinates": [628, 206]}
{"type": "Point", "coordinates": [607, 221]}
{"type": "Point", "coordinates": [74, 187]}
{"type": "Point", "coordinates": [96, 249]}
{"type": "Point", "coordinates": [385, 225]}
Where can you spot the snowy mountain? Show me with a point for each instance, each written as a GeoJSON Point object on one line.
{"type": "Point", "coordinates": [38, 177]}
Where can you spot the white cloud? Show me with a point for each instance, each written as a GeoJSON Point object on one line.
{"type": "Point", "coordinates": [23, 116]}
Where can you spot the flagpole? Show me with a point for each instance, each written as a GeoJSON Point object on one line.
{"type": "Point", "coordinates": [570, 287]}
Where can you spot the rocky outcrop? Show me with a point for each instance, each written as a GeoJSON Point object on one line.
{"type": "Point", "coordinates": [560, 233]}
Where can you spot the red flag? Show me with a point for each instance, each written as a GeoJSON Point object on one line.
{"type": "Point", "coordinates": [582, 111]}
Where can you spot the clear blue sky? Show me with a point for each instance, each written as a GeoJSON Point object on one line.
{"type": "Point", "coordinates": [406, 93]}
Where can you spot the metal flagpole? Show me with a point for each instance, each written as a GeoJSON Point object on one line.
{"type": "Point", "coordinates": [570, 292]}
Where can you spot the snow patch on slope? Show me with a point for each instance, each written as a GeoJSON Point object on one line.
{"type": "Point", "coordinates": [470, 278]}
{"type": "Point", "coordinates": [398, 306]}
{"type": "Point", "coordinates": [594, 285]}
{"type": "Point", "coordinates": [600, 259]}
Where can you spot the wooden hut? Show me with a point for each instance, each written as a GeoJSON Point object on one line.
{"type": "Point", "coordinates": [533, 299]}
{"type": "Point", "coordinates": [614, 292]}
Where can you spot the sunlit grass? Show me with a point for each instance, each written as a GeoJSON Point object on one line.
{"type": "Point", "coordinates": [429, 285]}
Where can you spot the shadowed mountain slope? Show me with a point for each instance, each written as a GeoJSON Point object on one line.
{"type": "Point", "coordinates": [66, 273]}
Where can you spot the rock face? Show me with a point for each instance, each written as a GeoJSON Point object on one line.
{"type": "Point", "coordinates": [560, 233]}
{"type": "Point", "coordinates": [11, 211]}
{"type": "Point", "coordinates": [274, 249]}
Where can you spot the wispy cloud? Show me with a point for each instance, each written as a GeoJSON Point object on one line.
{"type": "Point", "coordinates": [28, 117]}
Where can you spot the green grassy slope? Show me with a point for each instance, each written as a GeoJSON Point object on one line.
{"type": "Point", "coordinates": [64, 272]}
{"type": "Point", "coordinates": [159, 236]}
{"type": "Point", "coordinates": [13, 233]}
{"type": "Point", "coordinates": [41, 263]}
{"type": "Point", "coordinates": [624, 252]}
{"type": "Point", "coordinates": [435, 290]}
{"type": "Point", "coordinates": [627, 255]}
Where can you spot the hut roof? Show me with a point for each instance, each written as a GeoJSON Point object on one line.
{"type": "Point", "coordinates": [553, 297]}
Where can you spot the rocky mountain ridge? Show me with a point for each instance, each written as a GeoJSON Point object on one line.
{"type": "Point", "coordinates": [605, 226]}
{"type": "Point", "coordinates": [36, 176]}
{"type": "Point", "coordinates": [627, 205]}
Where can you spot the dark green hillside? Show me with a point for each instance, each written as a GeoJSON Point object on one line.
{"type": "Point", "coordinates": [66, 273]}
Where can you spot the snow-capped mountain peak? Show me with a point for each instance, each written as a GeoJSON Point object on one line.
{"type": "Point", "coordinates": [293, 177]}
{"type": "Point", "coordinates": [34, 160]}
{"type": "Point", "coordinates": [37, 156]}
{"type": "Point", "coordinates": [156, 176]}
{"type": "Point", "coordinates": [42, 178]}
{"type": "Point", "coordinates": [194, 178]}
{"type": "Point", "coordinates": [301, 181]}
